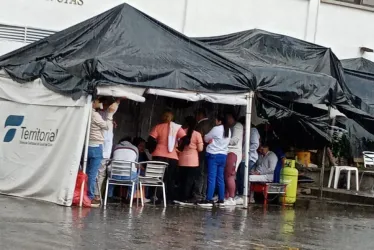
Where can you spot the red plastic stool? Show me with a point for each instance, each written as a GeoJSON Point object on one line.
{"type": "Point", "coordinates": [269, 188]}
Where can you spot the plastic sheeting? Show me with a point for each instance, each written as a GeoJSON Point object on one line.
{"type": "Point", "coordinates": [125, 46]}
{"type": "Point", "coordinates": [131, 93]}
{"type": "Point", "coordinates": [360, 139]}
{"type": "Point", "coordinates": [293, 126]}
{"type": "Point", "coordinates": [268, 52]}
{"type": "Point", "coordinates": [359, 73]}
{"type": "Point", "coordinates": [41, 141]}
{"type": "Point", "coordinates": [237, 99]}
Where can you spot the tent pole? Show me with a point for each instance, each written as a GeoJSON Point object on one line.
{"type": "Point", "coordinates": [247, 145]}
{"type": "Point", "coordinates": [322, 174]}
{"type": "Point", "coordinates": [89, 100]}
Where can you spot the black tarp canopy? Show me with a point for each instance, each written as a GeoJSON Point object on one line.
{"type": "Point", "coordinates": [359, 74]}
{"type": "Point", "coordinates": [125, 46]}
{"type": "Point", "coordinates": [259, 48]}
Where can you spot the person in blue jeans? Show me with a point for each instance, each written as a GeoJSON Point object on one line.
{"type": "Point", "coordinates": [95, 145]}
{"type": "Point", "coordinates": [218, 140]}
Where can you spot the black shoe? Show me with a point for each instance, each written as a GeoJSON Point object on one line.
{"type": "Point", "coordinates": [220, 203]}
{"type": "Point", "coordinates": [205, 203]}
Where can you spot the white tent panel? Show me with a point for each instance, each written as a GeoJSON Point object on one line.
{"type": "Point", "coordinates": [231, 99]}
{"type": "Point", "coordinates": [41, 141]}
{"type": "Point", "coordinates": [34, 93]}
{"type": "Point", "coordinates": [132, 93]}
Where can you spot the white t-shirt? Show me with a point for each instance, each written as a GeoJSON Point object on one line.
{"type": "Point", "coordinates": [108, 138]}
{"type": "Point", "coordinates": [125, 151]}
{"type": "Point", "coordinates": [217, 143]}
{"type": "Point", "coordinates": [236, 142]}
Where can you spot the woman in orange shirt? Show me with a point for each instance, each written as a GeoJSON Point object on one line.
{"type": "Point", "coordinates": [163, 149]}
{"type": "Point", "coordinates": [189, 162]}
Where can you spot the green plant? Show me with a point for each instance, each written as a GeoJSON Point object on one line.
{"type": "Point", "coordinates": [341, 147]}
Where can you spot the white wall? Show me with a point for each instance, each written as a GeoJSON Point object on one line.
{"type": "Point", "coordinates": [217, 17]}
{"type": "Point", "coordinates": [346, 29]}
{"type": "Point", "coordinates": [342, 28]}
{"type": "Point", "coordinates": [8, 46]}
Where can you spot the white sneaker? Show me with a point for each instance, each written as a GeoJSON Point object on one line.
{"type": "Point", "coordinates": [215, 198]}
{"type": "Point", "coordinates": [147, 200]}
{"type": "Point", "coordinates": [230, 202]}
{"type": "Point", "coordinates": [239, 200]}
{"type": "Point", "coordinates": [207, 204]}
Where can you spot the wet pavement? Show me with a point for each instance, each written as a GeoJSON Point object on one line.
{"type": "Point", "coordinates": [29, 224]}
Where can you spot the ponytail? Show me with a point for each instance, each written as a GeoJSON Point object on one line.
{"type": "Point", "coordinates": [226, 128]}
{"type": "Point", "coordinates": [190, 123]}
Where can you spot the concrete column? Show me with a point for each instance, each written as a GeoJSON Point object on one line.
{"type": "Point", "coordinates": [312, 21]}
{"type": "Point", "coordinates": [184, 21]}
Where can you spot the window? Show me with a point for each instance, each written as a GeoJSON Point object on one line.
{"type": "Point", "coordinates": [359, 2]}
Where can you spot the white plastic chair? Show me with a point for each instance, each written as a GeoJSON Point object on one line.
{"type": "Point", "coordinates": [122, 169]}
{"type": "Point", "coordinates": [368, 161]}
{"type": "Point", "coordinates": [153, 177]}
{"type": "Point", "coordinates": [337, 169]}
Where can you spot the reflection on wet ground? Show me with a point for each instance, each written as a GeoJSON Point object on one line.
{"type": "Point", "coordinates": [28, 224]}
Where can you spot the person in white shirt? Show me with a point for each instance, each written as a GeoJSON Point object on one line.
{"type": "Point", "coordinates": [218, 140]}
{"type": "Point", "coordinates": [125, 151]}
{"type": "Point", "coordinates": [95, 145]}
{"type": "Point", "coordinates": [253, 146]}
{"type": "Point", "coordinates": [234, 157]}
{"type": "Point", "coordinates": [253, 156]}
{"type": "Point", "coordinates": [264, 171]}
{"type": "Point", "coordinates": [107, 146]}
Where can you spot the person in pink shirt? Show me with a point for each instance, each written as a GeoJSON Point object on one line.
{"type": "Point", "coordinates": [159, 145]}
{"type": "Point", "coordinates": [189, 162]}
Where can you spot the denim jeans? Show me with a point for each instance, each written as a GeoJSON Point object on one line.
{"type": "Point", "coordinates": [216, 169]}
{"type": "Point", "coordinates": [134, 175]}
{"type": "Point", "coordinates": [94, 158]}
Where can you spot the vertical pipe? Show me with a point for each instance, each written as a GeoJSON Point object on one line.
{"type": "Point", "coordinates": [322, 174]}
{"type": "Point", "coordinates": [248, 117]}
{"type": "Point", "coordinates": [89, 107]}
{"type": "Point", "coordinates": [184, 16]}
{"type": "Point", "coordinates": [316, 21]}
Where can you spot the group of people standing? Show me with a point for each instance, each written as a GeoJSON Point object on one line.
{"type": "Point", "coordinates": [204, 161]}
{"type": "Point", "coordinates": [205, 157]}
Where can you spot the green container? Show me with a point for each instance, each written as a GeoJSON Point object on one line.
{"type": "Point", "coordinates": [289, 176]}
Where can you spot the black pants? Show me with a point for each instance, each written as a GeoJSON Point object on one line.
{"type": "Point", "coordinates": [240, 179]}
{"type": "Point", "coordinates": [169, 178]}
{"type": "Point", "coordinates": [188, 190]}
{"type": "Point", "coordinates": [202, 178]}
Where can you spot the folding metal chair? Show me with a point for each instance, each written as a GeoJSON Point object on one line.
{"type": "Point", "coordinates": [118, 170]}
{"type": "Point", "coordinates": [368, 161]}
{"type": "Point", "coordinates": [154, 177]}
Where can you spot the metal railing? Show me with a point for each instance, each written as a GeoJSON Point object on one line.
{"type": "Point", "coordinates": [22, 34]}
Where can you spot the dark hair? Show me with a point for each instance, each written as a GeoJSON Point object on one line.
{"type": "Point", "coordinates": [201, 111]}
{"type": "Point", "coordinates": [232, 114]}
{"type": "Point", "coordinates": [126, 138]}
{"type": "Point", "coordinates": [137, 140]}
{"type": "Point", "coordinates": [190, 123]}
{"type": "Point", "coordinates": [265, 144]}
{"type": "Point", "coordinates": [242, 120]}
{"type": "Point", "coordinates": [108, 100]}
{"type": "Point", "coordinates": [222, 118]}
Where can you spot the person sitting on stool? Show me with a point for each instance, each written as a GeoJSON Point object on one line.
{"type": "Point", "coordinates": [264, 171]}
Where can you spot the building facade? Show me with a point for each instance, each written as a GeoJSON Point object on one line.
{"type": "Point", "coordinates": [346, 26]}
